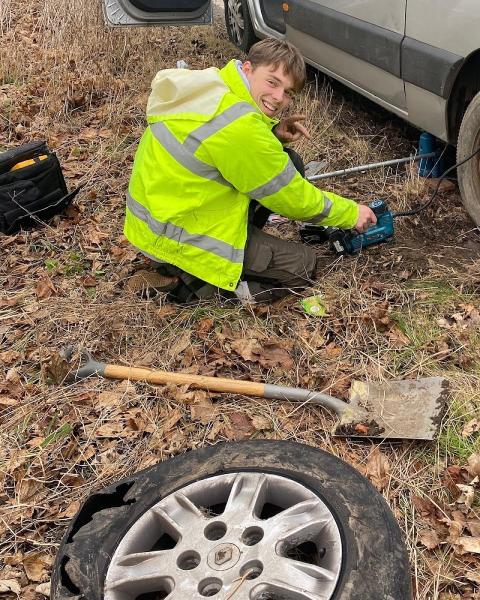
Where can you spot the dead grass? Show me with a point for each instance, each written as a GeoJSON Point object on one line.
{"type": "Point", "coordinates": [402, 310]}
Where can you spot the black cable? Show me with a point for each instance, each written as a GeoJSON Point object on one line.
{"type": "Point", "coordinates": [414, 211]}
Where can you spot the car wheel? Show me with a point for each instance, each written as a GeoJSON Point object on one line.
{"type": "Point", "coordinates": [250, 520]}
{"type": "Point", "coordinates": [469, 173]}
{"type": "Point", "coordinates": [239, 24]}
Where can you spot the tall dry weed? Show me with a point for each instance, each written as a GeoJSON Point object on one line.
{"type": "Point", "coordinates": [5, 16]}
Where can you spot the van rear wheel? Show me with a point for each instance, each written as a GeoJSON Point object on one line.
{"type": "Point", "coordinates": [469, 173]}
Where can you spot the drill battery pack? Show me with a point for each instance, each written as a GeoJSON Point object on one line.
{"type": "Point", "coordinates": [350, 241]}
{"type": "Point", "coordinates": [32, 187]}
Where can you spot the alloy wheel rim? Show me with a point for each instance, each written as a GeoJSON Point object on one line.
{"type": "Point", "coordinates": [236, 20]}
{"type": "Point", "coordinates": [255, 536]}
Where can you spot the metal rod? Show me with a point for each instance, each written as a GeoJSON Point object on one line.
{"type": "Point", "coordinates": [386, 163]}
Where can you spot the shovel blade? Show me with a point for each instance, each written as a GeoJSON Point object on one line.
{"type": "Point", "coordinates": [406, 409]}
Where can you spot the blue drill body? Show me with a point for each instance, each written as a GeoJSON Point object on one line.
{"type": "Point", "coordinates": [351, 242]}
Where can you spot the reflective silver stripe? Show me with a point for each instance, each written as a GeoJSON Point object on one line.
{"type": "Point", "coordinates": [180, 235]}
{"type": "Point", "coordinates": [275, 184]}
{"type": "Point", "coordinates": [183, 155]}
{"type": "Point", "coordinates": [327, 205]}
{"type": "Point", "coordinates": [229, 115]}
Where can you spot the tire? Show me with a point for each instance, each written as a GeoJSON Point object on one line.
{"type": "Point", "coordinates": [469, 173]}
{"type": "Point", "coordinates": [318, 526]}
{"type": "Point", "coordinates": [239, 24]}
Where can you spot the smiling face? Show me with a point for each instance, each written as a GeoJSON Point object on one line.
{"type": "Point", "coordinates": [270, 87]}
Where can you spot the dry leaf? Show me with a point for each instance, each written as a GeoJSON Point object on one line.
{"type": "Point", "coordinates": [444, 323]}
{"type": "Point", "coordinates": [138, 424]}
{"type": "Point", "coordinates": [450, 478]}
{"type": "Point", "coordinates": [13, 559]}
{"type": "Point", "coordinates": [35, 566]}
{"type": "Point", "coordinates": [473, 576]}
{"type": "Point", "coordinates": [205, 413]}
{"type": "Point", "coordinates": [471, 427]}
{"type": "Point", "coordinates": [146, 360]}
{"type": "Point", "coordinates": [474, 527]}
{"type": "Point", "coordinates": [112, 430]}
{"type": "Point", "coordinates": [261, 423]}
{"type": "Point", "coordinates": [9, 357]}
{"type": "Point", "coordinates": [44, 589]}
{"type": "Point", "coordinates": [35, 442]}
{"type": "Point", "coordinates": [397, 337]}
{"type": "Point", "coordinates": [242, 425]}
{"type": "Point", "coordinates": [180, 344]}
{"type": "Point", "coordinates": [466, 544]}
{"type": "Point", "coordinates": [268, 354]}
{"type": "Point", "coordinates": [205, 325]}
{"type": "Point", "coordinates": [429, 539]}
{"type": "Point", "coordinates": [172, 420]}
{"type": "Point", "coordinates": [455, 529]}
{"type": "Point", "coordinates": [215, 430]}
{"type": "Point", "coordinates": [58, 367]}
{"type": "Point", "coordinates": [167, 310]}
{"type": "Point", "coordinates": [13, 376]}
{"type": "Point", "coordinates": [88, 452]}
{"type": "Point", "coordinates": [467, 495]}
{"type": "Point", "coordinates": [45, 288]}
{"type": "Point", "coordinates": [332, 350]}
{"type": "Point", "coordinates": [108, 399]}
{"type": "Point", "coordinates": [247, 348]}
{"type": "Point", "coordinates": [28, 488]}
{"type": "Point", "coordinates": [89, 281]}
{"type": "Point", "coordinates": [6, 401]}
{"type": "Point", "coordinates": [474, 464]}
{"type": "Point", "coordinates": [379, 317]}
{"type": "Point", "coordinates": [9, 585]}
{"type": "Point", "coordinates": [274, 354]}
{"type": "Point", "coordinates": [378, 469]}
{"type": "Point", "coordinates": [71, 510]}
{"type": "Point", "coordinates": [72, 480]}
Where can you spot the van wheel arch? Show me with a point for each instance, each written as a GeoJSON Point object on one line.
{"type": "Point", "coordinates": [464, 89]}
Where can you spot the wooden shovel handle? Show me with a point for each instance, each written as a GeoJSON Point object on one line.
{"type": "Point", "coordinates": [212, 384]}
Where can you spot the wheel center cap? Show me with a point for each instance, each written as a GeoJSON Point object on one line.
{"type": "Point", "coordinates": [223, 557]}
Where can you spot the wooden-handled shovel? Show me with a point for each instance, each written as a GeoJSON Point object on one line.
{"type": "Point", "coordinates": [397, 409]}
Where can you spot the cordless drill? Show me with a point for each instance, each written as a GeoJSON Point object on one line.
{"type": "Point", "coordinates": [351, 241]}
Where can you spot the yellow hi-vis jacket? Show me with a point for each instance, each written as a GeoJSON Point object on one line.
{"type": "Point", "coordinates": [207, 151]}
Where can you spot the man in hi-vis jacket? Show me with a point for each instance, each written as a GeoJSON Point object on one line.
{"type": "Point", "coordinates": [210, 167]}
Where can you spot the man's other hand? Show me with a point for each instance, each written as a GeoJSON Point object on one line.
{"type": "Point", "coordinates": [290, 129]}
{"type": "Point", "coordinates": [366, 218]}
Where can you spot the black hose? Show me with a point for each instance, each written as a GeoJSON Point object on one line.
{"type": "Point", "coordinates": [414, 211]}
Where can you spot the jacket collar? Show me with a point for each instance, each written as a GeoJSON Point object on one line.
{"type": "Point", "coordinates": [233, 79]}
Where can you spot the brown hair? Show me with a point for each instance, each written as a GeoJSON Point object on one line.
{"type": "Point", "coordinates": [279, 52]}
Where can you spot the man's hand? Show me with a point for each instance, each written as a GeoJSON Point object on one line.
{"type": "Point", "coordinates": [366, 218]}
{"type": "Point", "coordinates": [290, 129]}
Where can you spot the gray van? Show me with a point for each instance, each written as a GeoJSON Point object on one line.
{"type": "Point", "coordinates": [419, 59]}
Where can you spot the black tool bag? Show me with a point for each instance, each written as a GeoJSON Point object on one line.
{"type": "Point", "coordinates": [32, 187]}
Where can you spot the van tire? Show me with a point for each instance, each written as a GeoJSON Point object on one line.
{"type": "Point", "coordinates": [469, 173]}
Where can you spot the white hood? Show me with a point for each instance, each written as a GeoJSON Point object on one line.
{"type": "Point", "coordinates": [176, 91]}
